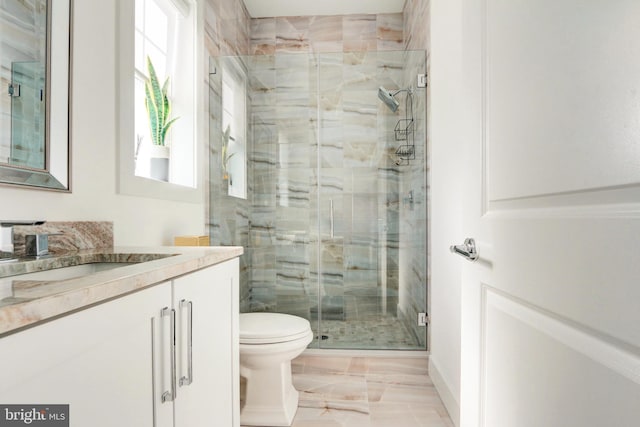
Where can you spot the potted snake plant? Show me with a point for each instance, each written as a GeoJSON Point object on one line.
{"type": "Point", "coordinates": [158, 106]}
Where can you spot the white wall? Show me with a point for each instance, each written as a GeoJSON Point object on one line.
{"type": "Point", "coordinates": [446, 186]}
{"type": "Point", "coordinates": [137, 221]}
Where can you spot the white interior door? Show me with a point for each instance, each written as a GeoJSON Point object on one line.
{"type": "Point", "coordinates": [551, 310]}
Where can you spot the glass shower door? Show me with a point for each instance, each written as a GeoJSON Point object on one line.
{"type": "Point", "coordinates": [369, 219]}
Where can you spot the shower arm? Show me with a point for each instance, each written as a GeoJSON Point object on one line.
{"type": "Point", "coordinates": [406, 101]}
{"type": "Point", "coordinates": [409, 91]}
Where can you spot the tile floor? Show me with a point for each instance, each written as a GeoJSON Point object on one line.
{"type": "Point", "coordinates": [344, 391]}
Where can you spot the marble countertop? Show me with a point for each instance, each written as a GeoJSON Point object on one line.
{"type": "Point", "coordinates": [144, 267]}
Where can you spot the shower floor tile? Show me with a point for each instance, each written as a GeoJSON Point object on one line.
{"type": "Point", "coordinates": [378, 333]}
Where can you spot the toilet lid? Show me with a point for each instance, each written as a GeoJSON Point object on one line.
{"type": "Point", "coordinates": [268, 328]}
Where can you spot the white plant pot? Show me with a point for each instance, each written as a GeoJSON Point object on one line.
{"type": "Point", "coordinates": [159, 163]}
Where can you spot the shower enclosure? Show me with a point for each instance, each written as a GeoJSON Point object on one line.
{"type": "Point", "coordinates": [335, 216]}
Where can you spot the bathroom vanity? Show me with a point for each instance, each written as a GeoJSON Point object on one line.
{"type": "Point", "coordinates": [148, 339]}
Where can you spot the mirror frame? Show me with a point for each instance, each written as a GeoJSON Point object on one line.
{"type": "Point", "coordinates": [56, 174]}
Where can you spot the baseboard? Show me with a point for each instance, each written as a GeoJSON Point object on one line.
{"type": "Point", "coordinates": [448, 398]}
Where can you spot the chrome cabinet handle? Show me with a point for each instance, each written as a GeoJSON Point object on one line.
{"type": "Point", "coordinates": [467, 249]}
{"type": "Point", "coordinates": [170, 395]}
{"type": "Point", "coordinates": [186, 380]}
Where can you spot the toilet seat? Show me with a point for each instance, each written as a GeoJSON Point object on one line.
{"type": "Point", "coordinates": [271, 328]}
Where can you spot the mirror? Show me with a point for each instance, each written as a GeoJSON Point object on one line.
{"type": "Point", "coordinates": [35, 68]}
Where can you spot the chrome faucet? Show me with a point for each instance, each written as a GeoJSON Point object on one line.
{"type": "Point", "coordinates": [6, 237]}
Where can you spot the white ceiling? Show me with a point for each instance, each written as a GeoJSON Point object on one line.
{"type": "Point", "coordinates": [269, 8]}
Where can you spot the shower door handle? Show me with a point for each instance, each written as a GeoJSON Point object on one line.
{"type": "Point", "coordinates": [331, 218]}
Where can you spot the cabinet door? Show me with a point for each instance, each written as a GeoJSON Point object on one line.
{"type": "Point", "coordinates": [208, 374]}
{"type": "Point", "coordinates": [99, 361]}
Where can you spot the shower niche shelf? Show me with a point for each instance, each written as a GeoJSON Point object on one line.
{"type": "Point", "coordinates": [404, 132]}
{"type": "Point", "coordinates": [406, 152]}
{"type": "Point", "coordinates": [403, 128]}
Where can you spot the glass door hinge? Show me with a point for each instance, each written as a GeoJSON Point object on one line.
{"type": "Point", "coordinates": [14, 89]}
{"type": "Point", "coordinates": [422, 80]}
{"type": "Point", "coordinates": [423, 319]}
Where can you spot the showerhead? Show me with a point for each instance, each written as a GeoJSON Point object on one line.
{"type": "Point", "coordinates": [387, 97]}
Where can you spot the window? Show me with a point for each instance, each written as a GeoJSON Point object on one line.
{"type": "Point", "coordinates": [169, 32]}
{"type": "Point", "coordinates": [163, 34]}
{"type": "Point", "coordinates": [234, 119]}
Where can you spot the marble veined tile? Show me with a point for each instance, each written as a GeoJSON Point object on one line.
{"type": "Point", "coordinates": [296, 154]}
{"type": "Point", "coordinates": [331, 181]}
{"type": "Point", "coordinates": [361, 77]}
{"type": "Point", "coordinates": [384, 365]}
{"type": "Point", "coordinates": [294, 114]}
{"type": "Point", "coordinates": [343, 391]}
{"type": "Point", "coordinates": [358, 153]}
{"type": "Point", "coordinates": [363, 104]}
{"type": "Point", "coordinates": [262, 81]}
{"type": "Point", "coordinates": [325, 28]}
{"type": "Point", "coordinates": [330, 417]}
{"type": "Point", "coordinates": [322, 365]}
{"type": "Point", "coordinates": [389, 31]}
{"type": "Point", "coordinates": [263, 36]}
{"type": "Point", "coordinates": [292, 33]}
{"type": "Point", "coordinates": [393, 391]}
{"type": "Point", "coordinates": [396, 415]}
{"type": "Point", "coordinates": [327, 46]}
{"type": "Point", "coordinates": [337, 391]}
{"type": "Point", "coordinates": [331, 153]}
{"type": "Point", "coordinates": [390, 70]}
{"type": "Point", "coordinates": [359, 33]}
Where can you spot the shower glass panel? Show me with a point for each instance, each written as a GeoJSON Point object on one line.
{"type": "Point", "coordinates": [336, 216]}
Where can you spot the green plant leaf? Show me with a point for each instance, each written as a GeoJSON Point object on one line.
{"type": "Point", "coordinates": [156, 92]}
{"type": "Point", "coordinates": [152, 113]}
{"type": "Point", "coordinates": [166, 104]}
{"type": "Point", "coordinates": [166, 127]}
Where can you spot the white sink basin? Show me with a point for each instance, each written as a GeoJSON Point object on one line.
{"type": "Point", "coordinates": [18, 286]}
{"type": "Point", "coordinates": [65, 273]}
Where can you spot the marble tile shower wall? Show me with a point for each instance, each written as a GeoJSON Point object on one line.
{"type": "Point", "coordinates": [227, 26]}
{"type": "Point", "coordinates": [348, 33]}
{"type": "Point", "coordinates": [416, 16]}
{"type": "Point", "coordinates": [295, 185]}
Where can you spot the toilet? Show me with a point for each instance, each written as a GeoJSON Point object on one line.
{"type": "Point", "coordinates": [268, 343]}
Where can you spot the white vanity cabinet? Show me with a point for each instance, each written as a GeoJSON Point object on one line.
{"type": "Point", "coordinates": [97, 360]}
{"type": "Point", "coordinates": [113, 362]}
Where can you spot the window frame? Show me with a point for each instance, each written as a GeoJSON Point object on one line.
{"type": "Point", "coordinates": [127, 182]}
